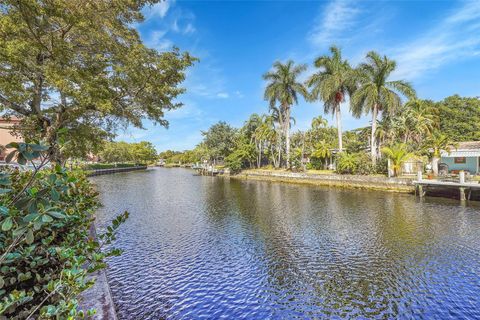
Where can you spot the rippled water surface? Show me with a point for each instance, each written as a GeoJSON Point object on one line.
{"type": "Point", "coordinates": [204, 247]}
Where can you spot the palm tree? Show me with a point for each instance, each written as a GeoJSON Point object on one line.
{"type": "Point", "coordinates": [332, 84]}
{"type": "Point", "coordinates": [319, 122]}
{"type": "Point", "coordinates": [397, 154]}
{"type": "Point", "coordinates": [284, 88]}
{"type": "Point", "coordinates": [375, 93]}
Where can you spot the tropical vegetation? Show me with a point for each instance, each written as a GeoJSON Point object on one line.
{"type": "Point", "coordinates": [403, 127]}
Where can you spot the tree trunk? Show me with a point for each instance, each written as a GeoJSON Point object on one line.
{"type": "Point", "coordinates": [259, 162]}
{"type": "Point", "coordinates": [339, 127]}
{"type": "Point", "coordinates": [435, 161]}
{"type": "Point", "coordinates": [279, 149]}
{"type": "Point", "coordinates": [287, 136]}
{"type": "Point", "coordinates": [373, 145]}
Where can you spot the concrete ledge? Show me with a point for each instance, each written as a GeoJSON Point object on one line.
{"type": "Point", "coordinates": [99, 296]}
{"type": "Point", "coordinates": [337, 180]}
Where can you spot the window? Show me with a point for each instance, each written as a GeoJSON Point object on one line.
{"type": "Point", "coordinates": [460, 160]}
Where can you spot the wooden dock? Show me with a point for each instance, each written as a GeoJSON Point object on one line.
{"type": "Point", "coordinates": [464, 188]}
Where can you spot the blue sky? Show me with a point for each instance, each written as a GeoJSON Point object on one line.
{"type": "Point", "coordinates": [436, 45]}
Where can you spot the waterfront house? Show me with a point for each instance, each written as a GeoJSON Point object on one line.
{"type": "Point", "coordinates": [463, 156]}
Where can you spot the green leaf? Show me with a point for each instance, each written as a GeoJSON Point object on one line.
{"type": "Point", "coordinates": [2, 282]}
{"type": "Point", "coordinates": [19, 231]}
{"type": "Point", "coordinates": [30, 217]}
{"type": "Point", "coordinates": [21, 159]}
{"type": "Point", "coordinates": [10, 156]}
{"type": "Point", "coordinates": [7, 224]}
{"type": "Point", "coordinates": [57, 214]}
{"type": "Point", "coordinates": [55, 195]}
{"type": "Point", "coordinates": [12, 145]}
{"type": "Point", "coordinates": [29, 237]}
{"type": "Point", "coordinates": [3, 210]}
{"type": "Point", "coordinates": [46, 218]}
{"type": "Point", "coordinates": [5, 179]}
{"type": "Point", "coordinates": [37, 224]}
{"type": "Point", "coordinates": [39, 147]}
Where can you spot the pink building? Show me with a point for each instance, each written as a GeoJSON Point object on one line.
{"type": "Point", "coordinates": [6, 136]}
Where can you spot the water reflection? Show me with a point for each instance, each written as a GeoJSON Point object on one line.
{"type": "Point", "coordinates": [212, 247]}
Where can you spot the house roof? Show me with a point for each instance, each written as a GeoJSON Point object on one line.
{"type": "Point", "coordinates": [463, 149]}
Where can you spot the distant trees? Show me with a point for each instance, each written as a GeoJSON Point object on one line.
{"type": "Point", "coordinates": [219, 140]}
{"type": "Point", "coordinates": [141, 152]}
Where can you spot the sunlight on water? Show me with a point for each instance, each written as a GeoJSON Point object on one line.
{"type": "Point", "coordinates": [203, 247]}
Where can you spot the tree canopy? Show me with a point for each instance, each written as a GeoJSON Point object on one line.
{"type": "Point", "coordinates": [80, 65]}
{"type": "Point", "coordinates": [141, 152]}
{"type": "Point", "coordinates": [219, 140]}
{"type": "Point", "coordinates": [460, 118]}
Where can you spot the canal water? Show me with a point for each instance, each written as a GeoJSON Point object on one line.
{"type": "Point", "coordinates": [209, 247]}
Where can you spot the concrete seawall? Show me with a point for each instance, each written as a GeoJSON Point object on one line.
{"type": "Point", "coordinates": [348, 181]}
{"type": "Point", "coordinates": [99, 296]}
{"type": "Point", "coordinates": [98, 172]}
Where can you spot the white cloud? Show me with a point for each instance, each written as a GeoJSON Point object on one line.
{"type": "Point", "coordinates": [337, 17]}
{"type": "Point", "coordinates": [188, 29]}
{"type": "Point", "coordinates": [455, 37]}
{"type": "Point", "coordinates": [159, 9]}
{"type": "Point", "coordinates": [158, 41]}
{"type": "Point", "coordinates": [223, 95]}
{"type": "Point", "coordinates": [239, 94]}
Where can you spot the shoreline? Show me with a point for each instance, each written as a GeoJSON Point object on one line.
{"type": "Point", "coordinates": [379, 183]}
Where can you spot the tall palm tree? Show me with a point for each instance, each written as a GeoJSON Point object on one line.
{"type": "Point", "coordinates": [331, 84]}
{"type": "Point", "coordinates": [375, 93]}
{"type": "Point", "coordinates": [284, 88]}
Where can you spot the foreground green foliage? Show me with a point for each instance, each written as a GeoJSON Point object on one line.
{"type": "Point", "coordinates": [45, 239]}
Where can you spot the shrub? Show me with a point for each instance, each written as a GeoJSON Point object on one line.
{"type": "Point", "coordinates": [47, 249]}
{"type": "Point", "coordinates": [316, 164]}
{"type": "Point", "coordinates": [382, 165]}
{"type": "Point", "coordinates": [234, 162]}
{"type": "Point", "coordinates": [354, 163]}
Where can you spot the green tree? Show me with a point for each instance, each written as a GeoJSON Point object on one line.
{"type": "Point", "coordinates": [332, 84]}
{"type": "Point", "coordinates": [398, 154]}
{"type": "Point", "coordinates": [116, 152]}
{"type": "Point", "coordinates": [460, 118]}
{"type": "Point", "coordinates": [219, 140]}
{"type": "Point", "coordinates": [375, 93]}
{"type": "Point", "coordinates": [82, 65]}
{"type": "Point", "coordinates": [283, 87]}
{"type": "Point", "coordinates": [143, 152]}
{"type": "Point", "coordinates": [322, 150]}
